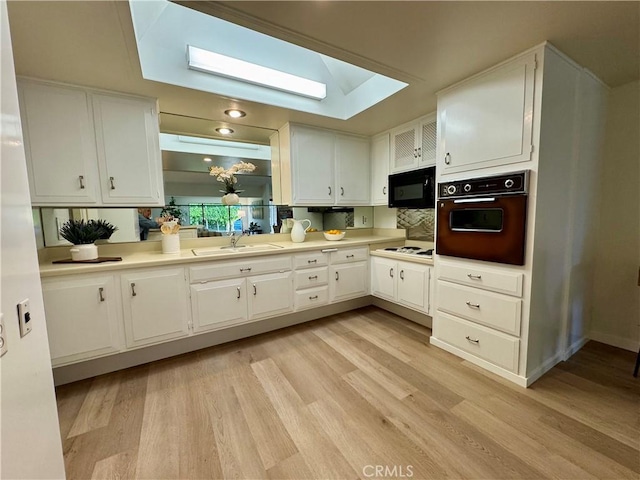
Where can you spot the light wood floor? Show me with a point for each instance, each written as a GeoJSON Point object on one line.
{"type": "Point", "coordinates": [355, 395]}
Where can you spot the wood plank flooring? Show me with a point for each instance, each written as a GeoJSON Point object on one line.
{"type": "Point", "coordinates": [356, 395]}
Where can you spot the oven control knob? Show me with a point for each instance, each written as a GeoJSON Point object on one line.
{"type": "Point", "coordinates": [508, 183]}
{"type": "Point", "coordinates": [467, 188]}
{"type": "Point", "coordinates": [451, 189]}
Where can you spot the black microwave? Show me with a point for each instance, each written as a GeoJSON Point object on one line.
{"type": "Point", "coordinates": [414, 189]}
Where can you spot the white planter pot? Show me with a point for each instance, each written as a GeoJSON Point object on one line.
{"type": "Point", "coordinates": [84, 252]}
{"type": "Point", "coordinates": [231, 199]}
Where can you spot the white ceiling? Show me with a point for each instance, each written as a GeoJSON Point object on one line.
{"type": "Point", "coordinates": [428, 44]}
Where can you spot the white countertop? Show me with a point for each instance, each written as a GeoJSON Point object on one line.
{"type": "Point", "coordinates": [134, 257]}
{"type": "Point", "coordinates": [402, 256]}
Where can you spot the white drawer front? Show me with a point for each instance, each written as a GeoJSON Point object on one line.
{"type": "Point", "coordinates": [239, 268]}
{"type": "Point", "coordinates": [490, 309]}
{"type": "Point", "coordinates": [313, 259]}
{"type": "Point", "coordinates": [347, 255]}
{"type": "Point", "coordinates": [494, 280]}
{"type": "Point", "coordinates": [311, 297]}
{"type": "Point", "coordinates": [311, 277]}
{"type": "Point", "coordinates": [495, 347]}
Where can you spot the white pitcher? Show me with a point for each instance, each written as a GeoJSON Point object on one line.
{"type": "Point", "coordinates": [298, 232]}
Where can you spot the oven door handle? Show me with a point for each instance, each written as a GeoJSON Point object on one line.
{"type": "Point", "coordinates": [474, 200]}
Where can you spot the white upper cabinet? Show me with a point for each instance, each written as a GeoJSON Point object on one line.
{"type": "Point", "coordinates": [90, 148]}
{"type": "Point", "coordinates": [380, 170]}
{"type": "Point", "coordinates": [127, 138]}
{"type": "Point", "coordinates": [59, 144]}
{"type": "Point", "coordinates": [487, 120]}
{"type": "Point", "coordinates": [413, 145]}
{"type": "Point", "coordinates": [322, 167]}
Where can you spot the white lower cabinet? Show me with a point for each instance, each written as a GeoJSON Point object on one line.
{"type": "Point", "coordinates": [154, 305]}
{"type": "Point", "coordinates": [83, 317]}
{"type": "Point", "coordinates": [348, 281]}
{"type": "Point", "coordinates": [218, 304]}
{"type": "Point", "coordinates": [311, 280]}
{"type": "Point", "coordinates": [269, 295]}
{"type": "Point", "coordinates": [406, 283]}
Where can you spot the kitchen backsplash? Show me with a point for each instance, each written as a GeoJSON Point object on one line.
{"type": "Point", "coordinates": [419, 223]}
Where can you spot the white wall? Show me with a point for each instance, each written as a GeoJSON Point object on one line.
{"type": "Point", "coordinates": [30, 435]}
{"type": "Point", "coordinates": [616, 313]}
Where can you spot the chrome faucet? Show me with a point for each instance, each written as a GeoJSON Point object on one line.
{"type": "Point", "coordinates": [235, 239]}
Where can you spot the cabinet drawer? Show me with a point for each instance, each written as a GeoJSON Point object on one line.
{"type": "Point", "coordinates": [487, 279]}
{"type": "Point", "coordinates": [495, 347]}
{"type": "Point", "coordinates": [311, 297]}
{"type": "Point", "coordinates": [347, 255]}
{"type": "Point", "coordinates": [311, 277]}
{"type": "Point", "coordinates": [313, 259]}
{"type": "Point", "coordinates": [490, 309]}
{"type": "Point", "coordinates": [239, 268]}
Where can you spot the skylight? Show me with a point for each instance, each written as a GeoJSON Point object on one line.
{"type": "Point", "coordinates": [180, 46]}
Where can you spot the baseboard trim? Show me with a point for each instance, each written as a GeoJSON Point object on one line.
{"type": "Point", "coordinates": [417, 317]}
{"type": "Point", "coordinates": [574, 347]}
{"type": "Point", "coordinates": [119, 361]}
{"type": "Point", "coordinates": [615, 341]}
{"type": "Point", "coordinates": [544, 368]}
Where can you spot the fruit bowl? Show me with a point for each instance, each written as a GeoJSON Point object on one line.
{"type": "Point", "coordinates": [334, 235]}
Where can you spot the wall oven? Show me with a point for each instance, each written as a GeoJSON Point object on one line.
{"type": "Point", "coordinates": [484, 218]}
{"type": "Point", "coordinates": [414, 189]}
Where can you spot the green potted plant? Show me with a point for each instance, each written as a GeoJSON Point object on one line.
{"type": "Point", "coordinates": [82, 234]}
{"type": "Point", "coordinates": [172, 211]}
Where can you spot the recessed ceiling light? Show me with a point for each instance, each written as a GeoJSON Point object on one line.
{"type": "Point", "coordinates": [224, 131]}
{"type": "Point", "coordinates": [207, 159]}
{"type": "Point", "coordinates": [233, 113]}
{"type": "Point", "coordinates": [210, 62]}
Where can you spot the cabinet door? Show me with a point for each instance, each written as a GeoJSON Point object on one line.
{"type": "Point", "coordinates": [428, 142]}
{"type": "Point", "coordinates": [404, 153]}
{"type": "Point", "coordinates": [383, 278]}
{"type": "Point", "coordinates": [380, 170]}
{"type": "Point", "coordinates": [413, 285]}
{"type": "Point", "coordinates": [82, 318]}
{"type": "Point", "coordinates": [348, 281]}
{"type": "Point", "coordinates": [155, 306]}
{"type": "Point", "coordinates": [353, 168]}
{"type": "Point", "coordinates": [59, 144]}
{"type": "Point", "coordinates": [487, 121]}
{"type": "Point", "coordinates": [270, 295]}
{"type": "Point", "coordinates": [218, 304]}
{"type": "Point", "coordinates": [312, 162]}
{"type": "Point", "coordinates": [127, 138]}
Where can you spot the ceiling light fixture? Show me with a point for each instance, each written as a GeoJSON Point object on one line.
{"type": "Point", "coordinates": [233, 113]}
{"type": "Point", "coordinates": [207, 159]}
{"type": "Point", "coordinates": [210, 62]}
{"type": "Point", "coordinates": [224, 131]}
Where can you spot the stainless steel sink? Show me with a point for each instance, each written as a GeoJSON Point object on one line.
{"type": "Point", "coordinates": [226, 249]}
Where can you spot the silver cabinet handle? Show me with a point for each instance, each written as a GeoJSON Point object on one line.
{"type": "Point", "coordinates": [113, 187]}
{"type": "Point", "coordinates": [384, 190]}
{"type": "Point", "coordinates": [415, 153]}
{"type": "Point", "coordinates": [248, 269]}
{"type": "Point", "coordinates": [133, 290]}
{"type": "Point", "coordinates": [255, 290]}
{"type": "Point", "coordinates": [337, 276]}
{"type": "Point", "coordinates": [447, 158]}
{"type": "Point", "coordinates": [81, 179]}
{"type": "Point", "coordinates": [473, 305]}
{"type": "Point", "coordinates": [419, 151]}
{"type": "Point", "coordinates": [350, 256]}
{"type": "Point", "coordinates": [313, 277]}
{"type": "Point", "coordinates": [401, 274]}
{"type": "Point", "coordinates": [329, 190]}
{"type": "Point", "coordinates": [101, 294]}
{"type": "Point", "coordinates": [238, 296]}
{"type": "Point", "coordinates": [314, 297]}
{"type": "Point", "coordinates": [312, 261]}
{"type": "Point", "coordinates": [476, 341]}
{"type": "Point", "coordinates": [474, 277]}
{"type": "Point", "coordinates": [391, 272]}
{"type": "Point", "coordinates": [341, 191]}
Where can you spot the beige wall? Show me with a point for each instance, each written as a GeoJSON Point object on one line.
{"type": "Point", "coordinates": [616, 315]}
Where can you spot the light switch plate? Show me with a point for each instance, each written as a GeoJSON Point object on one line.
{"type": "Point", "coordinates": [3, 336]}
{"type": "Point", "coordinates": [24, 317]}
